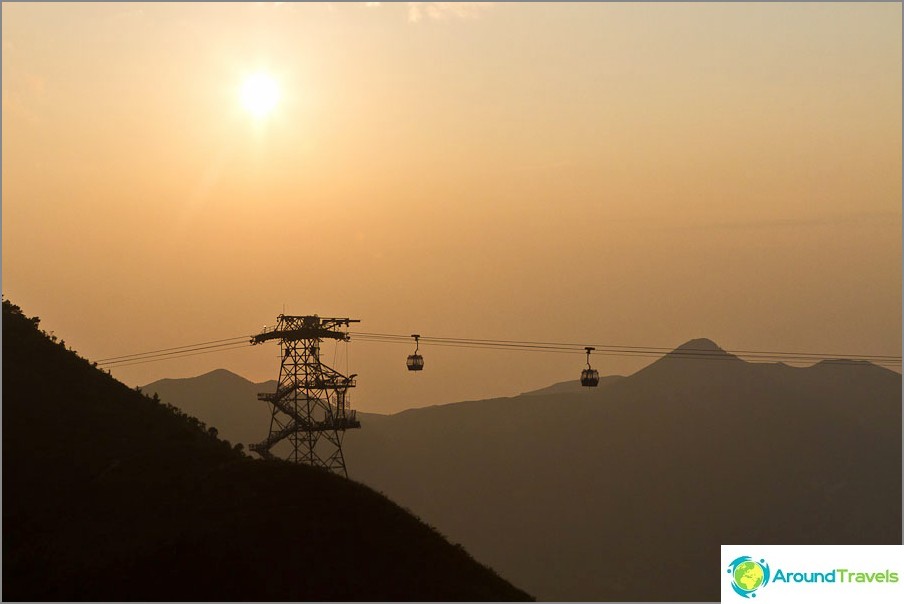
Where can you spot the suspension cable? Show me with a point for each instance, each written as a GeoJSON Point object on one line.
{"type": "Point", "coordinates": [515, 345]}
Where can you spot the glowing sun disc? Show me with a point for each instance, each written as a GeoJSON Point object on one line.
{"type": "Point", "coordinates": [260, 94]}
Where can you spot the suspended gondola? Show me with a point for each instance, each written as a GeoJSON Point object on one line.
{"type": "Point", "coordinates": [590, 377]}
{"type": "Point", "coordinates": [415, 361]}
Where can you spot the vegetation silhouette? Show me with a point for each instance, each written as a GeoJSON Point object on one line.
{"type": "Point", "coordinates": [111, 495]}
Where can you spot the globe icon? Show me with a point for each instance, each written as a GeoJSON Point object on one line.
{"type": "Point", "coordinates": [748, 575]}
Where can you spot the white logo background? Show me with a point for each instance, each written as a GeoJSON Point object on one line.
{"type": "Point", "coordinates": [819, 558]}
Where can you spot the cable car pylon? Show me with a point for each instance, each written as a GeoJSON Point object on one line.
{"type": "Point", "coordinates": [590, 377]}
{"type": "Point", "coordinates": [415, 361]}
{"type": "Point", "coordinates": [310, 411]}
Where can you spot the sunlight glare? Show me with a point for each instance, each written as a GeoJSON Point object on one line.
{"type": "Point", "coordinates": [260, 94]}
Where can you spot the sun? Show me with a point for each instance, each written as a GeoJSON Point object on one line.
{"type": "Point", "coordinates": [260, 93]}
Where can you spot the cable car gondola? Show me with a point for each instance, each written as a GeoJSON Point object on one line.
{"type": "Point", "coordinates": [590, 377]}
{"type": "Point", "coordinates": [415, 361]}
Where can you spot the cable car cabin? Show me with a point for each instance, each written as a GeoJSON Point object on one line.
{"type": "Point", "coordinates": [590, 378]}
{"type": "Point", "coordinates": [415, 362]}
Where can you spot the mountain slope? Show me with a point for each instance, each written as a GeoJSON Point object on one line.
{"type": "Point", "coordinates": [111, 495]}
{"type": "Point", "coordinates": [572, 386]}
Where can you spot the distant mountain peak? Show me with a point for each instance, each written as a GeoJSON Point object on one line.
{"type": "Point", "coordinates": [221, 373]}
{"type": "Point", "coordinates": [701, 345]}
{"type": "Point", "coordinates": [694, 350]}
{"type": "Point", "coordinates": [217, 376]}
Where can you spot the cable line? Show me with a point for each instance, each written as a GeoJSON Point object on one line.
{"type": "Point", "coordinates": [138, 354]}
{"type": "Point", "coordinates": [627, 351]}
{"type": "Point", "coordinates": [516, 345]}
{"type": "Point", "coordinates": [622, 347]}
{"type": "Point", "coordinates": [175, 356]}
{"type": "Point", "coordinates": [705, 355]}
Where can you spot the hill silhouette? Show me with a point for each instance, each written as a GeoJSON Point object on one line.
{"type": "Point", "coordinates": [223, 399]}
{"type": "Point", "coordinates": [627, 492]}
{"type": "Point", "coordinates": [112, 495]}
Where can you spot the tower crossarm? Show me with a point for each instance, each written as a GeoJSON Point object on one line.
{"type": "Point", "coordinates": [307, 327]}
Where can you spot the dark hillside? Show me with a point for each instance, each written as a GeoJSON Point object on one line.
{"type": "Point", "coordinates": [111, 495]}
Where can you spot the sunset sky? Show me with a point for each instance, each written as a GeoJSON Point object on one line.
{"type": "Point", "coordinates": [632, 174]}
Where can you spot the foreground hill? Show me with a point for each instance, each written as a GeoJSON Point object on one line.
{"type": "Point", "coordinates": [590, 495]}
{"type": "Point", "coordinates": [111, 495]}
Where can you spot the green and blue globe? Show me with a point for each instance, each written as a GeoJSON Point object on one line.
{"type": "Point", "coordinates": [748, 575]}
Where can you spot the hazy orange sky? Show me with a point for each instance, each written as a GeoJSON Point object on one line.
{"type": "Point", "coordinates": [633, 174]}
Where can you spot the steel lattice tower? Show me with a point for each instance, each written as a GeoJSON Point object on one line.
{"type": "Point", "coordinates": [309, 410]}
